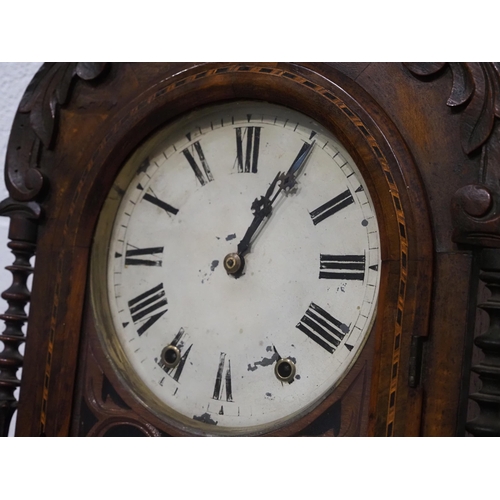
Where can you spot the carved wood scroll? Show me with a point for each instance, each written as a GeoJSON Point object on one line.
{"type": "Point", "coordinates": [475, 94]}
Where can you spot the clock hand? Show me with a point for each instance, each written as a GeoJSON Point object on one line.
{"type": "Point", "coordinates": [262, 208]}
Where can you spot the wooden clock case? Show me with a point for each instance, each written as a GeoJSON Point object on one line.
{"type": "Point", "coordinates": [425, 137]}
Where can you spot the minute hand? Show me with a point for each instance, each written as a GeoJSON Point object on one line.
{"type": "Point", "coordinates": [263, 206]}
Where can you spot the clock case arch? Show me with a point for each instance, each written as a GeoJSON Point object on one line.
{"type": "Point", "coordinates": [106, 119]}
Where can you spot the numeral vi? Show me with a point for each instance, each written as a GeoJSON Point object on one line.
{"type": "Point", "coordinates": [221, 381]}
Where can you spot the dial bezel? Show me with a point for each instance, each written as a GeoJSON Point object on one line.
{"type": "Point", "coordinates": [99, 267]}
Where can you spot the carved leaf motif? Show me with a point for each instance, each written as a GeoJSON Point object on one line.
{"type": "Point", "coordinates": [43, 104]}
{"type": "Point", "coordinates": [29, 95]}
{"type": "Point", "coordinates": [495, 78]}
{"type": "Point", "coordinates": [61, 91]}
{"type": "Point", "coordinates": [478, 116]}
{"type": "Point", "coordinates": [50, 90]}
{"type": "Point", "coordinates": [463, 85]}
{"type": "Point", "coordinates": [425, 69]}
{"type": "Point", "coordinates": [477, 87]}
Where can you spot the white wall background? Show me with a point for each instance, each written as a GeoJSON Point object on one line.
{"type": "Point", "coordinates": [14, 78]}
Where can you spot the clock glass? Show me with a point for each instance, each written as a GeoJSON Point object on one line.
{"type": "Point", "coordinates": [236, 268]}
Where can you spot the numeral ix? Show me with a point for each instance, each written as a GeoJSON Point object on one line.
{"type": "Point", "coordinates": [150, 256]}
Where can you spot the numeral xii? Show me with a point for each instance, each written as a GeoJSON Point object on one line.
{"type": "Point", "coordinates": [247, 148]}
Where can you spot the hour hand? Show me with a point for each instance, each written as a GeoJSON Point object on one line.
{"type": "Point", "coordinates": [261, 208]}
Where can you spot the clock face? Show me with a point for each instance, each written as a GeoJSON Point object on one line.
{"type": "Point", "coordinates": [241, 268]}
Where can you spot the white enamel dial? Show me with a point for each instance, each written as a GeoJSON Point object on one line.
{"type": "Point", "coordinates": [242, 353]}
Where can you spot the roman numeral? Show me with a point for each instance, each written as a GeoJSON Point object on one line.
{"type": "Point", "coordinates": [342, 267]}
{"type": "Point", "coordinates": [322, 327]}
{"type": "Point", "coordinates": [221, 381]}
{"type": "Point", "coordinates": [152, 198]}
{"type": "Point", "coordinates": [151, 254]}
{"type": "Point", "coordinates": [247, 148]}
{"type": "Point", "coordinates": [147, 308]}
{"type": "Point", "coordinates": [332, 207]}
{"type": "Point", "coordinates": [205, 176]}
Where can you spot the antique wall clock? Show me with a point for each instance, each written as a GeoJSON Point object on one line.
{"type": "Point", "coordinates": [251, 249]}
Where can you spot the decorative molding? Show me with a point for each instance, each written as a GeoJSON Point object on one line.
{"type": "Point", "coordinates": [49, 90]}
{"type": "Point", "coordinates": [488, 397]}
{"type": "Point", "coordinates": [476, 91]}
{"type": "Point", "coordinates": [475, 94]}
{"type": "Point", "coordinates": [106, 412]}
{"type": "Point", "coordinates": [35, 124]}
{"type": "Point", "coordinates": [476, 215]}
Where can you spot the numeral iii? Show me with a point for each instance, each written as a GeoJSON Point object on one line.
{"type": "Point", "coordinates": [342, 267]}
